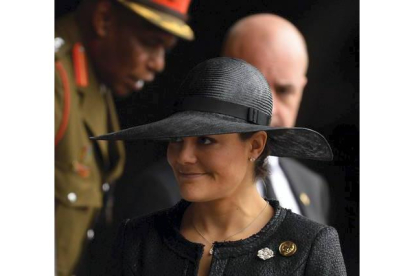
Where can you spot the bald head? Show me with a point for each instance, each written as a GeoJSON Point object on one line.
{"type": "Point", "coordinates": [275, 47]}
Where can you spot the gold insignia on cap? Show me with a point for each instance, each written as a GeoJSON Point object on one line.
{"type": "Point", "coordinates": [305, 199]}
{"type": "Point", "coordinates": [287, 248]}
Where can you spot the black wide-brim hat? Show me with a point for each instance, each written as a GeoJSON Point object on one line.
{"type": "Point", "coordinates": [222, 96]}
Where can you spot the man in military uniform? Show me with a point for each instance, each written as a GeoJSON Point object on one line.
{"type": "Point", "coordinates": [106, 46]}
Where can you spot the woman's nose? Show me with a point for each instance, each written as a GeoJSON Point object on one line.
{"type": "Point", "coordinates": [186, 153]}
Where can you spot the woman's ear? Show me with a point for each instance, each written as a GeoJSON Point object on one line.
{"type": "Point", "coordinates": [258, 143]}
{"type": "Point", "coordinates": [103, 17]}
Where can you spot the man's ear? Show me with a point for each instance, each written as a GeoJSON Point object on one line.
{"type": "Point", "coordinates": [103, 17]}
{"type": "Point", "coordinates": [258, 143]}
{"type": "Point", "coordinates": [304, 81]}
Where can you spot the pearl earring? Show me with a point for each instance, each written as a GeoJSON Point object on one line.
{"type": "Point", "coordinates": [252, 159]}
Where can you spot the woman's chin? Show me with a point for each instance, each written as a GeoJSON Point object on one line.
{"type": "Point", "coordinates": [193, 196]}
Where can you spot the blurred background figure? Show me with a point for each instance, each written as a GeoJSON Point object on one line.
{"type": "Point", "coordinates": [277, 48]}
{"type": "Point", "coordinates": [105, 48]}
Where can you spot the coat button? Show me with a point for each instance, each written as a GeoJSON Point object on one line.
{"type": "Point", "coordinates": [58, 43]}
{"type": "Point", "coordinates": [72, 197]}
{"type": "Point", "coordinates": [90, 234]}
{"type": "Point", "coordinates": [105, 187]}
{"type": "Point", "coordinates": [287, 248]}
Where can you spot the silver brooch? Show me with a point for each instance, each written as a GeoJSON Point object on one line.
{"type": "Point", "coordinates": [265, 253]}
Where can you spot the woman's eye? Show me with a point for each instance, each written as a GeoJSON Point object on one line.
{"type": "Point", "coordinates": [205, 140]}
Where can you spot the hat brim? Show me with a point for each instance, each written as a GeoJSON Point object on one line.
{"type": "Point", "coordinates": [284, 142]}
{"type": "Point", "coordinates": [163, 20]}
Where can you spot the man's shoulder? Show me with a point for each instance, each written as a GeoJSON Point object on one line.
{"type": "Point", "coordinates": [291, 166]}
{"type": "Point", "coordinates": [66, 35]}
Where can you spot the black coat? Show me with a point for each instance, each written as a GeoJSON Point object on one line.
{"type": "Point", "coordinates": [152, 245]}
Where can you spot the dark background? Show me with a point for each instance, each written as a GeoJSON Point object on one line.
{"type": "Point", "coordinates": [330, 104]}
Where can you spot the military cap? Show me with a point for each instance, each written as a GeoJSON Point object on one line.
{"type": "Point", "coordinates": [169, 15]}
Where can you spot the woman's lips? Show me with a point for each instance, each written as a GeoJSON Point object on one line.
{"type": "Point", "coordinates": [190, 175]}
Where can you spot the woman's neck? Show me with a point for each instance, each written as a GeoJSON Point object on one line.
{"type": "Point", "coordinates": [219, 219]}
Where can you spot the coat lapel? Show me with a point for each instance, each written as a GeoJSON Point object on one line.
{"type": "Point", "coordinates": [296, 184]}
{"type": "Point", "coordinates": [306, 189]}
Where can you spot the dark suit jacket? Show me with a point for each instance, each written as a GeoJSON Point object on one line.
{"type": "Point", "coordinates": [156, 189]}
{"type": "Point", "coordinates": [304, 181]}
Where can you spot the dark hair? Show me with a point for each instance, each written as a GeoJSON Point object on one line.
{"type": "Point", "coordinates": [261, 167]}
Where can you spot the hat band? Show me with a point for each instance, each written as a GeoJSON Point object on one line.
{"type": "Point", "coordinates": [158, 6]}
{"type": "Point", "coordinates": [207, 104]}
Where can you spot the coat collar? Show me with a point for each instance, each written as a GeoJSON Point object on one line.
{"type": "Point", "coordinates": [284, 226]}
{"type": "Point", "coordinates": [222, 250]}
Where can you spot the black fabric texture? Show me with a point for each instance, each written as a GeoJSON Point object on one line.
{"type": "Point", "coordinates": [205, 104]}
{"type": "Point", "coordinates": [229, 79]}
{"type": "Point", "coordinates": [234, 81]}
{"type": "Point", "coordinates": [152, 245]}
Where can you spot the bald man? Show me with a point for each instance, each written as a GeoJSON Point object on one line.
{"type": "Point", "coordinates": [277, 48]}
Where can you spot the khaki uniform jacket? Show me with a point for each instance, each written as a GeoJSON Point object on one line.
{"type": "Point", "coordinates": [82, 110]}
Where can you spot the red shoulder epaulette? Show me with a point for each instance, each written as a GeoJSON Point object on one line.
{"type": "Point", "coordinates": [79, 64]}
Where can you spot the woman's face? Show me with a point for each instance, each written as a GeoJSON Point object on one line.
{"type": "Point", "coordinates": [211, 167]}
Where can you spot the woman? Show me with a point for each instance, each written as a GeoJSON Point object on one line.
{"type": "Point", "coordinates": [219, 139]}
